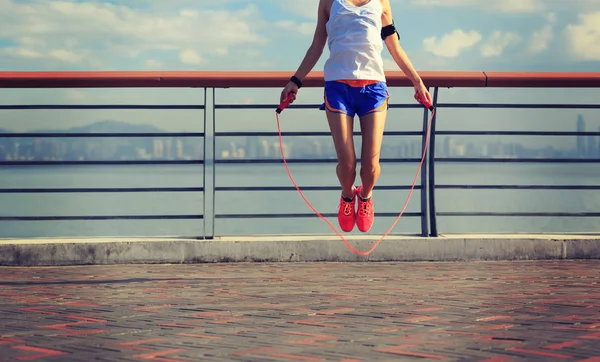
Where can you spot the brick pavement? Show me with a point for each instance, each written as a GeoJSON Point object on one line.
{"type": "Point", "coordinates": [480, 311]}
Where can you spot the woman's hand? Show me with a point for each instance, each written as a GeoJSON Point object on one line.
{"type": "Point", "coordinates": [292, 88]}
{"type": "Point", "coordinates": [421, 91]}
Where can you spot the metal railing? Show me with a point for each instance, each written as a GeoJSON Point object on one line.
{"type": "Point", "coordinates": [210, 81]}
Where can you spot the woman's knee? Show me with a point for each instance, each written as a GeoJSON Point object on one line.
{"type": "Point", "coordinates": [370, 168]}
{"type": "Point", "coordinates": [347, 166]}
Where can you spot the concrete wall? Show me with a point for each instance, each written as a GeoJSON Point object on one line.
{"type": "Point", "coordinates": [42, 252]}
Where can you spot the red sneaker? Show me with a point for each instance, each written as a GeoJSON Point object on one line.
{"type": "Point", "coordinates": [347, 214]}
{"type": "Point", "coordinates": [365, 214]}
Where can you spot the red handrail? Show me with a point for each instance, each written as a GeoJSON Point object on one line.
{"type": "Point", "coordinates": [543, 79]}
{"type": "Point", "coordinates": [216, 79]}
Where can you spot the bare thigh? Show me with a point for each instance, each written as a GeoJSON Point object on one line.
{"type": "Point", "coordinates": [372, 126]}
{"type": "Point", "coordinates": [341, 127]}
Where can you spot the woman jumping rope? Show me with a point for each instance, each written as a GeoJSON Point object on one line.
{"type": "Point", "coordinates": [355, 84]}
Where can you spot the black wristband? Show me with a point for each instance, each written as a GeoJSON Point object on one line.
{"type": "Point", "coordinates": [296, 81]}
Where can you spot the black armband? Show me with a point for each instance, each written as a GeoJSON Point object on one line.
{"type": "Point", "coordinates": [389, 30]}
{"type": "Point", "coordinates": [296, 81]}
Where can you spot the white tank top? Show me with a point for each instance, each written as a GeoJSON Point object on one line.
{"type": "Point", "coordinates": [354, 39]}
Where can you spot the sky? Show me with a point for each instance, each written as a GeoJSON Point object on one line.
{"type": "Point", "coordinates": [265, 35]}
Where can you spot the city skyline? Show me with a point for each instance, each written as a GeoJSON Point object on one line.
{"type": "Point", "coordinates": [251, 147]}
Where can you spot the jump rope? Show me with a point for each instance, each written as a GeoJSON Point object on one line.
{"type": "Point", "coordinates": [424, 102]}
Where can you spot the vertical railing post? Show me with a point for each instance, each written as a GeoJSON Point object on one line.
{"type": "Point", "coordinates": [214, 160]}
{"type": "Point", "coordinates": [204, 161]}
{"type": "Point", "coordinates": [424, 153]}
{"type": "Point", "coordinates": [209, 166]}
{"type": "Point", "coordinates": [431, 189]}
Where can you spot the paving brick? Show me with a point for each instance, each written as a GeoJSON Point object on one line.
{"type": "Point", "coordinates": [478, 311]}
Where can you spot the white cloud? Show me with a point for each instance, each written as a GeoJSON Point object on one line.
{"type": "Point", "coordinates": [304, 8]}
{"type": "Point", "coordinates": [153, 64]}
{"type": "Point", "coordinates": [452, 44]}
{"type": "Point", "coordinates": [497, 42]}
{"type": "Point", "coordinates": [516, 6]}
{"type": "Point", "coordinates": [308, 8]}
{"type": "Point", "coordinates": [66, 55]}
{"type": "Point", "coordinates": [509, 6]}
{"type": "Point", "coordinates": [390, 64]}
{"type": "Point", "coordinates": [305, 29]}
{"type": "Point", "coordinates": [86, 32]}
{"type": "Point", "coordinates": [583, 39]}
{"type": "Point", "coordinates": [540, 39]}
{"type": "Point", "coordinates": [581, 5]}
{"type": "Point", "coordinates": [28, 52]}
{"type": "Point", "coordinates": [22, 52]}
{"type": "Point", "coordinates": [190, 57]}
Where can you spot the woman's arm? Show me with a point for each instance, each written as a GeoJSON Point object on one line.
{"type": "Point", "coordinates": [396, 51]}
{"type": "Point", "coordinates": [313, 54]}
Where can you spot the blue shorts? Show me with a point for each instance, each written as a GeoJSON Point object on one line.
{"type": "Point", "coordinates": [341, 97]}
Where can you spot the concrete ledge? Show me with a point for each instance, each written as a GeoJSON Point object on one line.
{"type": "Point", "coordinates": [291, 248]}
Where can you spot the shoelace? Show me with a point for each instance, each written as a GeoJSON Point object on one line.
{"type": "Point", "coordinates": [365, 208]}
{"type": "Point", "coordinates": [347, 208]}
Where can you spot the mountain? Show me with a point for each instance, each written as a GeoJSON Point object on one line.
{"type": "Point", "coordinates": [106, 126]}
{"type": "Point", "coordinates": [116, 127]}
{"type": "Point", "coordinates": [104, 148]}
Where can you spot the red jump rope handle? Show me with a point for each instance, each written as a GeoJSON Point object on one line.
{"type": "Point", "coordinates": [285, 103]}
{"type": "Point", "coordinates": [424, 102]}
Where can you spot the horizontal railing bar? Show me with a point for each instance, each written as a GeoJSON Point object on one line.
{"type": "Point", "coordinates": [266, 106]}
{"type": "Point", "coordinates": [541, 79]}
{"type": "Point", "coordinates": [304, 215]}
{"type": "Point", "coordinates": [439, 105]}
{"type": "Point", "coordinates": [518, 105]}
{"type": "Point", "coordinates": [97, 106]}
{"type": "Point", "coordinates": [274, 106]}
{"type": "Point", "coordinates": [303, 188]}
{"type": "Point", "coordinates": [519, 187]}
{"type": "Point", "coordinates": [516, 133]}
{"type": "Point", "coordinates": [404, 105]}
{"type": "Point", "coordinates": [73, 163]}
{"type": "Point", "coordinates": [298, 106]}
{"type": "Point", "coordinates": [98, 135]}
{"type": "Point", "coordinates": [99, 190]}
{"type": "Point", "coordinates": [253, 79]}
{"type": "Point", "coordinates": [101, 217]}
{"type": "Point", "coordinates": [307, 134]}
{"type": "Point", "coordinates": [518, 160]}
{"type": "Point", "coordinates": [306, 160]}
{"type": "Point", "coordinates": [522, 214]}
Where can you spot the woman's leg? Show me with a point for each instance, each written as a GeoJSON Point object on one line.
{"type": "Point", "coordinates": [341, 127]}
{"type": "Point", "coordinates": [372, 102]}
{"type": "Point", "coordinates": [372, 126]}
